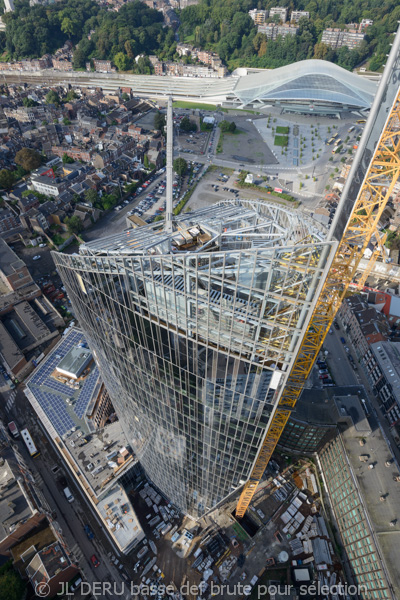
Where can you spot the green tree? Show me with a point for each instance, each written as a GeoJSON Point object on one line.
{"type": "Point", "coordinates": [121, 61]}
{"type": "Point", "coordinates": [180, 166]}
{"type": "Point", "coordinates": [28, 102]}
{"type": "Point", "coordinates": [74, 224]}
{"type": "Point", "coordinates": [159, 121]}
{"type": "Point", "coordinates": [227, 126]}
{"type": "Point", "coordinates": [11, 585]}
{"type": "Point", "coordinates": [146, 161]}
{"type": "Point", "coordinates": [187, 125]}
{"type": "Point", "coordinates": [125, 97]}
{"type": "Point", "coordinates": [91, 196]}
{"type": "Point", "coordinates": [28, 159]}
{"type": "Point", "coordinates": [7, 179]}
{"type": "Point", "coordinates": [66, 121]}
{"type": "Point", "coordinates": [53, 98]}
{"type": "Point", "coordinates": [67, 159]}
{"type": "Point", "coordinates": [108, 201]}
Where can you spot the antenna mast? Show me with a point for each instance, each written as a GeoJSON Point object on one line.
{"type": "Point", "coordinates": [170, 175]}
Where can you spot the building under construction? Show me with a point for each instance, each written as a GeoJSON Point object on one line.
{"type": "Point", "coordinates": [206, 329]}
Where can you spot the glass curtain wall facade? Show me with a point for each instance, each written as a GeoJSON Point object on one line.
{"type": "Point", "coordinates": [194, 332]}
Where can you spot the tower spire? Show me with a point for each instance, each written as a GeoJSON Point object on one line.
{"type": "Point", "coordinates": [170, 154]}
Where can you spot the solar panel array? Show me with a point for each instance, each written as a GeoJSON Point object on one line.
{"type": "Point", "coordinates": [55, 407]}
{"type": "Point", "coordinates": [86, 393]}
{"type": "Point", "coordinates": [53, 403]}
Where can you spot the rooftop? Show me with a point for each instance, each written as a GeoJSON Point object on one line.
{"type": "Point", "coordinates": [47, 563]}
{"type": "Point", "coordinates": [232, 225]}
{"type": "Point", "coordinates": [15, 507]}
{"type": "Point", "coordinates": [62, 404]}
{"type": "Point", "coordinates": [120, 517]}
{"type": "Point", "coordinates": [330, 405]}
{"type": "Point", "coordinates": [96, 457]}
{"type": "Point", "coordinates": [9, 261]}
{"type": "Point", "coordinates": [387, 355]}
{"type": "Point", "coordinates": [374, 483]}
{"type": "Point", "coordinates": [75, 361]}
{"type": "Point", "coordinates": [65, 408]}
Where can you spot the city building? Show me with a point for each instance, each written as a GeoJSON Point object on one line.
{"type": "Point", "coordinates": [23, 507]}
{"type": "Point", "coordinates": [273, 31]}
{"type": "Point", "coordinates": [365, 23]}
{"type": "Point", "coordinates": [9, 5]}
{"type": "Point", "coordinates": [194, 332]}
{"type": "Point", "coordinates": [313, 423]}
{"type": "Point", "coordinates": [68, 396]}
{"type": "Point", "coordinates": [296, 15]}
{"type": "Point", "coordinates": [309, 86]}
{"type": "Point", "coordinates": [259, 16]}
{"type": "Point", "coordinates": [278, 11]}
{"type": "Point", "coordinates": [363, 501]}
{"type": "Point", "coordinates": [9, 221]}
{"type": "Point", "coordinates": [102, 66]}
{"type": "Point", "coordinates": [336, 38]}
{"type": "Point", "coordinates": [382, 365]}
{"type": "Point", "coordinates": [29, 326]}
{"type": "Point", "coordinates": [363, 324]}
{"type": "Point", "coordinates": [14, 273]}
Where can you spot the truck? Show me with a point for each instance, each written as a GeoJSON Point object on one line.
{"type": "Point", "coordinates": [13, 429]}
{"type": "Point", "coordinates": [68, 495]}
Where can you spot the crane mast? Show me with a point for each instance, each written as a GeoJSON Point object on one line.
{"type": "Point", "coordinates": [373, 175]}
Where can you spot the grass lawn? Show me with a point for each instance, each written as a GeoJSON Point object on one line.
{"type": "Point", "coordinates": [183, 104]}
{"type": "Point", "coordinates": [281, 129]}
{"type": "Point", "coordinates": [281, 140]}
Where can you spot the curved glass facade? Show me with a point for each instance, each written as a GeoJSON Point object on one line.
{"type": "Point", "coordinates": [194, 332]}
{"type": "Point", "coordinates": [308, 81]}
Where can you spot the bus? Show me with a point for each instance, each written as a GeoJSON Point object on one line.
{"type": "Point", "coordinates": [33, 451]}
{"type": "Point", "coordinates": [329, 142]}
{"type": "Point", "coordinates": [361, 121]}
{"type": "Point", "coordinates": [351, 129]}
{"type": "Point", "coordinates": [338, 142]}
{"type": "Point", "coordinates": [335, 136]}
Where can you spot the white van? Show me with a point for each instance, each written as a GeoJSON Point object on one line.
{"type": "Point", "coordinates": [68, 495]}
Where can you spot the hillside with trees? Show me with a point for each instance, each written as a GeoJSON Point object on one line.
{"type": "Point", "coordinates": [227, 29]}
{"type": "Point", "coordinates": [118, 36]}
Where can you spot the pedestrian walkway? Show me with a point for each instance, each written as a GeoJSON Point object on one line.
{"type": "Point", "coordinates": [10, 401]}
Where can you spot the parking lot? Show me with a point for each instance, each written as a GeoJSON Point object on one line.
{"type": "Point", "coordinates": [154, 203]}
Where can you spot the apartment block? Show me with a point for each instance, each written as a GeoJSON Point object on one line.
{"type": "Point", "coordinates": [273, 31]}
{"type": "Point", "coordinates": [299, 14]}
{"type": "Point", "coordinates": [336, 38]}
{"type": "Point", "coordinates": [279, 11]}
{"type": "Point", "coordinates": [259, 16]}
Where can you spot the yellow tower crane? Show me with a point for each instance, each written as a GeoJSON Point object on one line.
{"type": "Point", "coordinates": [374, 173]}
{"type": "Point", "coordinates": [378, 250]}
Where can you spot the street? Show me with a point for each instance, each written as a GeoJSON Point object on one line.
{"type": "Point", "coordinates": [71, 517]}
{"type": "Point", "coordinates": [344, 374]}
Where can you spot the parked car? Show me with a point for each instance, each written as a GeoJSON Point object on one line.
{"type": "Point", "coordinates": [95, 561]}
{"type": "Point", "coordinates": [342, 340]}
{"type": "Point", "coordinates": [336, 325]}
{"type": "Point", "coordinates": [36, 257]}
{"type": "Point", "coordinates": [88, 532]}
{"type": "Point", "coordinates": [324, 376]}
{"type": "Point", "coordinates": [42, 245]}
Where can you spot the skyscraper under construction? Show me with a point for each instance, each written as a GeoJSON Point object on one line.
{"type": "Point", "coordinates": [195, 328]}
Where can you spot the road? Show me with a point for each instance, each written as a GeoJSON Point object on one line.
{"type": "Point", "coordinates": [71, 517]}
{"type": "Point", "coordinates": [344, 374]}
